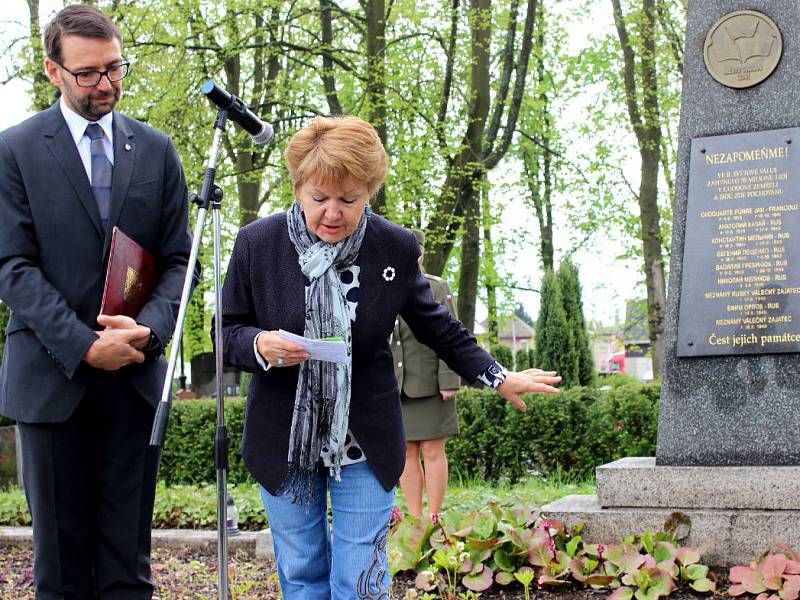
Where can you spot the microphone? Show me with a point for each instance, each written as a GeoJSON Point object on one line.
{"type": "Point", "coordinates": [238, 113]}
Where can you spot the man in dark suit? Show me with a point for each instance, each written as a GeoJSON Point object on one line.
{"type": "Point", "coordinates": [82, 387]}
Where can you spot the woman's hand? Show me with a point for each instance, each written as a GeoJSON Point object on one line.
{"type": "Point", "coordinates": [525, 382]}
{"type": "Point", "coordinates": [280, 352]}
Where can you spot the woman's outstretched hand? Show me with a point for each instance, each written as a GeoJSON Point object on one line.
{"type": "Point", "coordinates": [525, 382]}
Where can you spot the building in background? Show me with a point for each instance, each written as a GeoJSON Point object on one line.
{"type": "Point", "coordinates": [636, 338]}
{"type": "Point", "coordinates": [607, 347]}
{"type": "Point", "coordinates": [513, 333]}
{"type": "Point", "coordinates": [624, 347]}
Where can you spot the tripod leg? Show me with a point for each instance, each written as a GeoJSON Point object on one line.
{"type": "Point", "coordinates": [221, 442]}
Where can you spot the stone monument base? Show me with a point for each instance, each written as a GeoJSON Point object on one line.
{"type": "Point", "coordinates": [736, 512]}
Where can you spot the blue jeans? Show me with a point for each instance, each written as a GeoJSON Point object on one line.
{"type": "Point", "coordinates": [315, 563]}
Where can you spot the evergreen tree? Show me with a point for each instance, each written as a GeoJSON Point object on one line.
{"type": "Point", "coordinates": [573, 307]}
{"type": "Point", "coordinates": [555, 350]}
{"type": "Point", "coordinates": [503, 355]}
{"type": "Point", "coordinates": [522, 361]}
{"type": "Point", "coordinates": [523, 314]}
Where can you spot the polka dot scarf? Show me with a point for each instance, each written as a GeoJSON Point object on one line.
{"type": "Point", "coordinates": [322, 399]}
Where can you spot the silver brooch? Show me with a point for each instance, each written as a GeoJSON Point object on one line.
{"type": "Point", "coordinates": [389, 273]}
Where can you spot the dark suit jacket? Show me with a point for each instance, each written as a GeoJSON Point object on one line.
{"type": "Point", "coordinates": [264, 290]}
{"type": "Point", "coordinates": [53, 256]}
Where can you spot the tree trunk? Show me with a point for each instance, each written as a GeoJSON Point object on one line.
{"type": "Point", "coordinates": [646, 124]}
{"type": "Point", "coordinates": [328, 77]}
{"type": "Point", "coordinates": [376, 80]}
{"type": "Point", "coordinates": [544, 212]}
{"type": "Point", "coordinates": [246, 185]}
{"type": "Point", "coordinates": [43, 91]}
{"type": "Point", "coordinates": [470, 259]}
{"type": "Point", "coordinates": [478, 153]}
{"type": "Point", "coordinates": [540, 196]}
{"type": "Point", "coordinates": [490, 274]}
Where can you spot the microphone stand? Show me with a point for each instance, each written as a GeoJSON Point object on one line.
{"type": "Point", "coordinates": [210, 196]}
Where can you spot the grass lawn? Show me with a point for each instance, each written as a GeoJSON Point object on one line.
{"type": "Point", "coordinates": [194, 507]}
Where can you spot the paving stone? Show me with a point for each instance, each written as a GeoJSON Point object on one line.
{"type": "Point", "coordinates": [639, 482]}
{"type": "Point", "coordinates": [724, 537]}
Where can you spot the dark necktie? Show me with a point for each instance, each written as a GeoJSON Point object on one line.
{"type": "Point", "coordinates": [101, 171]}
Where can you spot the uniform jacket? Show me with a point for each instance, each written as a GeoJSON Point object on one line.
{"type": "Point", "coordinates": [264, 290]}
{"type": "Point", "coordinates": [419, 372]}
{"type": "Point", "coordinates": [53, 256]}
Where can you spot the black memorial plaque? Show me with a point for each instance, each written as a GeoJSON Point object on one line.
{"type": "Point", "coordinates": [741, 260]}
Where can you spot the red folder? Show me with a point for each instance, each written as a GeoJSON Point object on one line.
{"type": "Point", "coordinates": [130, 277]}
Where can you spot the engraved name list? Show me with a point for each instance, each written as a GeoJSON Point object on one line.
{"type": "Point", "coordinates": [741, 284]}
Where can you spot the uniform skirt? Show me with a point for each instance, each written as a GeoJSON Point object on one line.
{"type": "Point", "coordinates": [429, 418]}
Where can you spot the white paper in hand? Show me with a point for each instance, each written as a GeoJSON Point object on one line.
{"type": "Point", "coordinates": [325, 350]}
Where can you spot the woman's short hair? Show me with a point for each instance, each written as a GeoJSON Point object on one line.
{"type": "Point", "coordinates": [81, 20]}
{"type": "Point", "coordinates": [337, 148]}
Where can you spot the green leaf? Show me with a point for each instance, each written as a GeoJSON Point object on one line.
{"type": "Point", "coordinates": [646, 594]}
{"type": "Point", "coordinates": [621, 593]}
{"type": "Point", "coordinates": [578, 569]}
{"type": "Point", "coordinates": [695, 572]}
{"type": "Point", "coordinates": [662, 583]}
{"type": "Point", "coordinates": [687, 556]}
{"type": "Point", "coordinates": [615, 554]}
{"type": "Point", "coordinates": [647, 541]}
{"type": "Point", "coordinates": [599, 580]}
{"type": "Point", "coordinates": [441, 559]}
{"type": "Point", "coordinates": [503, 578]}
{"type": "Point", "coordinates": [664, 552]}
{"type": "Point", "coordinates": [484, 525]}
{"type": "Point", "coordinates": [539, 553]}
{"type": "Point", "coordinates": [705, 585]}
{"type": "Point", "coordinates": [524, 575]}
{"type": "Point", "coordinates": [503, 560]}
{"type": "Point", "coordinates": [572, 545]}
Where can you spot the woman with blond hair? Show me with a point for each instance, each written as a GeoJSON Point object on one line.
{"type": "Point", "coordinates": [328, 268]}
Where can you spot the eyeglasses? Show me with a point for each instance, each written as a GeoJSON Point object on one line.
{"type": "Point", "coordinates": [92, 78]}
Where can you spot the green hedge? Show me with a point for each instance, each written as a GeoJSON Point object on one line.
{"type": "Point", "coordinates": [189, 445]}
{"type": "Point", "coordinates": [574, 431]}
{"type": "Point", "coordinates": [176, 507]}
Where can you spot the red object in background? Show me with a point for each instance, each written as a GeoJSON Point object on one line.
{"type": "Point", "coordinates": [616, 364]}
{"type": "Point", "coordinates": [130, 277]}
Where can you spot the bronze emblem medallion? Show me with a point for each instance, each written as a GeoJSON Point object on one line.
{"type": "Point", "coordinates": [743, 48]}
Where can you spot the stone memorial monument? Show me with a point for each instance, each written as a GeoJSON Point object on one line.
{"type": "Point", "coordinates": [728, 453]}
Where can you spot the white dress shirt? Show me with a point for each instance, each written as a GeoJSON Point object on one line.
{"type": "Point", "coordinates": [77, 127]}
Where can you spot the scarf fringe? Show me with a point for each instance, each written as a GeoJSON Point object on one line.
{"type": "Point", "coordinates": [300, 484]}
